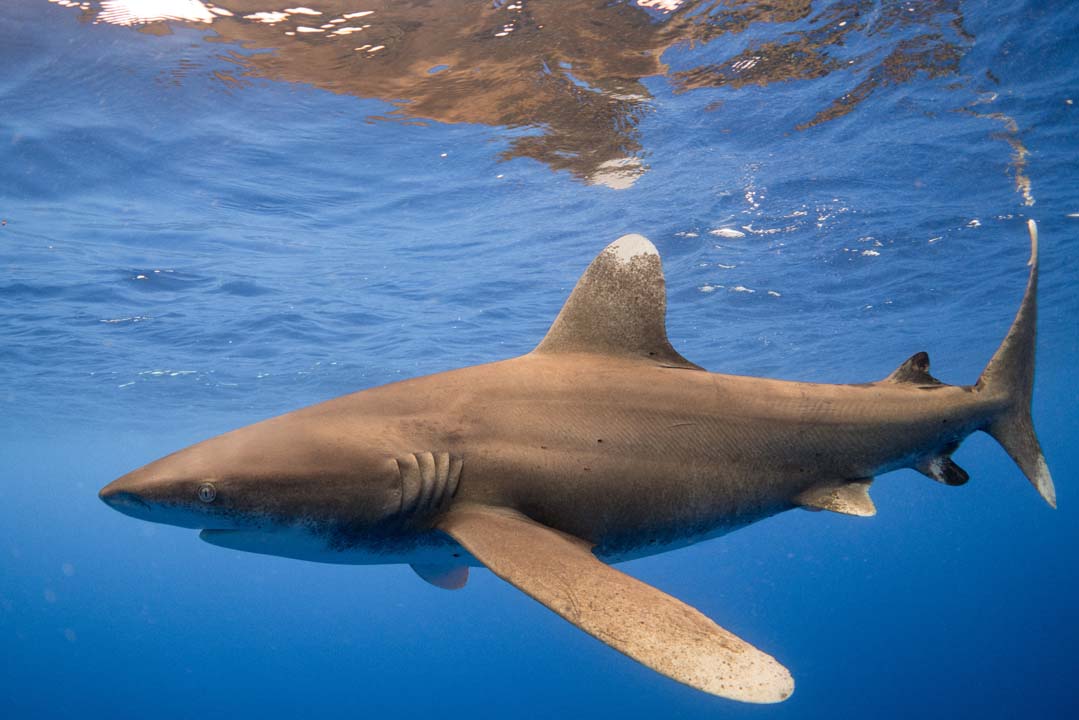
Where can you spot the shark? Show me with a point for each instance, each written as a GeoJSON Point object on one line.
{"type": "Point", "coordinates": [603, 444]}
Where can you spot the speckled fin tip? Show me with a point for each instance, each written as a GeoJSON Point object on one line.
{"type": "Point", "coordinates": [618, 308]}
{"type": "Point", "coordinates": [648, 625]}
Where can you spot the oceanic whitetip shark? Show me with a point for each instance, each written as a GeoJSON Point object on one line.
{"type": "Point", "coordinates": [601, 445]}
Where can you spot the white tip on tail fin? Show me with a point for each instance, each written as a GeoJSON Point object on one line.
{"type": "Point", "coordinates": [1032, 227]}
{"type": "Point", "coordinates": [1009, 377]}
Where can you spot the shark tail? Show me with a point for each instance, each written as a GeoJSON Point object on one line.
{"type": "Point", "coordinates": [1008, 380]}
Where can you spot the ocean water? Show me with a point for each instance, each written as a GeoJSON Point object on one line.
{"type": "Point", "coordinates": [206, 221]}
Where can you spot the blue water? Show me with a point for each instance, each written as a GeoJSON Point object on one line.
{"type": "Point", "coordinates": [204, 225]}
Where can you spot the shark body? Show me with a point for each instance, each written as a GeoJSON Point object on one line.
{"type": "Point", "coordinates": [603, 444]}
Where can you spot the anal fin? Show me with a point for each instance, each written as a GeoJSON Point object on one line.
{"type": "Point", "coordinates": [646, 624]}
{"type": "Point", "coordinates": [943, 469]}
{"type": "Point", "coordinates": [447, 577]}
{"type": "Point", "coordinates": [847, 498]}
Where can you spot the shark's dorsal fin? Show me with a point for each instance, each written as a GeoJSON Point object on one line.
{"type": "Point", "coordinates": [846, 497]}
{"type": "Point", "coordinates": [619, 308]}
{"type": "Point", "coordinates": [646, 624]}
{"type": "Point", "coordinates": [914, 369]}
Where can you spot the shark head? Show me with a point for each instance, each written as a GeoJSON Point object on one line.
{"type": "Point", "coordinates": [286, 473]}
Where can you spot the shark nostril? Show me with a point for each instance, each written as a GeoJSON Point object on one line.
{"type": "Point", "coordinates": [121, 499]}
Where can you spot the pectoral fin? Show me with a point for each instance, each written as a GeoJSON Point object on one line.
{"type": "Point", "coordinates": [447, 577]}
{"type": "Point", "coordinates": [649, 626]}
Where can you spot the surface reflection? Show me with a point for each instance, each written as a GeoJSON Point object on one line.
{"type": "Point", "coordinates": [572, 72]}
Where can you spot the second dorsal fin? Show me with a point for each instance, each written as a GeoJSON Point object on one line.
{"type": "Point", "coordinates": [914, 369]}
{"type": "Point", "coordinates": [618, 308]}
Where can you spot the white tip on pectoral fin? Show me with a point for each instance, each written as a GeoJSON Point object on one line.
{"type": "Point", "coordinates": [646, 624]}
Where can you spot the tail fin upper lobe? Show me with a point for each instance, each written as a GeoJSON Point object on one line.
{"type": "Point", "coordinates": [1010, 377]}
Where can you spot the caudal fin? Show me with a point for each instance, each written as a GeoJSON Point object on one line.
{"type": "Point", "coordinates": [1009, 376]}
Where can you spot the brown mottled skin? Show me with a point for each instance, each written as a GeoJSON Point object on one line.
{"type": "Point", "coordinates": [619, 453]}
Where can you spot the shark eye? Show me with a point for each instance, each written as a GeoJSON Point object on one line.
{"type": "Point", "coordinates": [207, 492]}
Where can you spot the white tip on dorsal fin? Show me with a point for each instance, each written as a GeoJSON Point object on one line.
{"type": "Point", "coordinates": [619, 307]}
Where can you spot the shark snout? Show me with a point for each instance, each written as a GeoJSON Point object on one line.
{"type": "Point", "coordinates": [123, 500]}
{"type": "Point", "coordinates": [126, 496]}
{"type": "Point", "coordinates": [158, 493]}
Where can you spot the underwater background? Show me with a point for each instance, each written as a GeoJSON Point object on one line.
{"type": "Point", "coordinates": [251, 206]}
